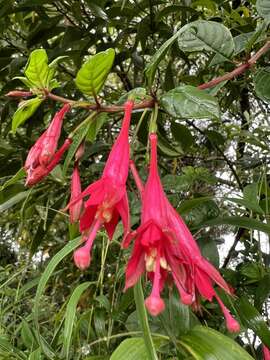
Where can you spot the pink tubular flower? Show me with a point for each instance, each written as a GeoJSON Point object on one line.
{"type": "Point", "coordinates": [164, 247]}
{"type": "Point", "coordinates": [43, 157]}
{"type": "Point", "coordinates": [108, 200]}
{"type": "Point", "coordinates": [75, 209]}
{"type": "Point", "coordinates": [266, 353]}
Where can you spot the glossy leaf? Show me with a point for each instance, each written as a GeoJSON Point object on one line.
{"type": "Point", "coordinates": [207, 35]}
{"type": "Point", "coordinates": [37, 70]}
{"type": "Point", "coordinates": [93, 74]}
{"type": "Point", "coordinates": [25, 110]}
{"type": "Point", "coordinates": [205, 343]}
{"type": "Point", "coordinates": [189, 102]}
{"type": "Point", "coordinates": [131, 349]}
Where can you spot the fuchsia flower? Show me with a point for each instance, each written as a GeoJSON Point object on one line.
{"type": "Point", "coordinates": [43, 157]}
{"type": "Point", "coordinates": [165, 248]}
{"type": "Point", "coordinates": [75, 209]}
{"type": "Point", "coordinates": [108, 200]}
{"type": "Point", "coordinates": [266, 353]}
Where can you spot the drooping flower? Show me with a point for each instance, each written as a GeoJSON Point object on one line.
{"type": "Point", "coordinates": [75, 209]}
{"type": "Point", "coordinates": [43, 157]}
{"type": "Point", "coordinates": [164, 247]}
{"type": "Point", "coordinates": [266, 353]}
{"type": "Point", "coordinates": [108, 201]}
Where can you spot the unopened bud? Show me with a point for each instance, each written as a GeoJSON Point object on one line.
{"type": "Point", "coordinates": [80, 152]}
{"type": "Point", "coordinates": [82, 258]}
{"type": "Point", "coordinates": [155, 305]}
{"type": "Point", "coordinates": [19, 93]}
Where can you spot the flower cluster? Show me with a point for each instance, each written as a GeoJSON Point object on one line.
{"type": "Point", "coordinates": [163, 248]}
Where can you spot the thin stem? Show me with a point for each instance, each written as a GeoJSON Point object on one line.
{"type": "Point", "coordinates": [83, 123]}
{"type": "Point", "coordinates": [98, 107]}
{"type": "Point", "coordinates": [239, 70]}
{"type": "Point", "coordinates": [141, 311]}
{"type": "Point", "coordinates": [153, 121]}
{"type": "Point", "coordinates": [136, 176]}
{"type": "Point", "coordinates": [138, 127]}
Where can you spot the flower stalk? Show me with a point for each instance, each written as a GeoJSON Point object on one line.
{"type": "Point", "coordinates": [143, 319]}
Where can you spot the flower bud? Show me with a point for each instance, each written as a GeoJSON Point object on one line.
{"type": "Point", "coordinates": [155, 305]}
{"type": "Point", "coordinates": [19, 93]}
{"type": "Point", "coordinates": [82, 258]}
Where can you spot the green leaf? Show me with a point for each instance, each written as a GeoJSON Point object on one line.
{"type": "Point", "coordinates": [77, 140]}
{"type": "Point", "coordinates": [14, 200]}
{"type": "Point", "coordinates": [53, 64]}
{"type": "Point", "coordinates": [24, 80]}
{"type": "Point", "coordinates": [187, 205]}
{"type": "Point", "coordinates": [149, 345]}
{"type": "Point", "coordinates": [37, 70]}
{"type": "Point", "coordinates": [151, 68]}
{"type": "Point", "coordinates": [182, 135]}
{"type": "Point", "coordinates": [92, 75]}
{"type": "Point", "coordinates": [15, 178]}
{"type": "Point", "coordinates": [6, 349]}
{"type": "Point", "coordinates": [262, 83]}
{"type": "Point", "coordinates": [209, 36]}
{"type": "Point", "coordinates": [97, 10]}
{"type": "Point", "coordinates": [27, 336]}
{"type": "Point", "coordinates": [25, 110]}
{"type": "Point", "coordinates": [95, 125]}
{"type": "Point", "coordinates": [250, 198]}
{"type": "Point", "coordinates": [209, 250]}
{"type": "Point", "coordinates": [167, 148]}
{"type": "Point", "coordinates": [132, 349]}
{"type": "Point", "coordinates": [263, 8]}
{"type": "Point", "coordinates": [243, 222]}
{"type": "Point", "coordinates": [67, 249]}
{"type": "Point", "coordinates": [70, 316]}
{"type": "Point", "coordinates": [205, 343]}
{"type": "Point", "coordinates": [262, 292]}
{"type": "Point", "coordinates": [252, 319]}
{"type": "Point", "coordinates": [189, 102]}
{"type": "Point", "coordinates": [35, 355]}
{"type": "Point", "coordinates": [250, 194]}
